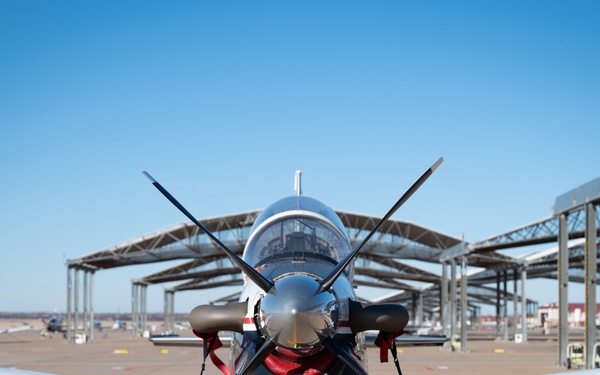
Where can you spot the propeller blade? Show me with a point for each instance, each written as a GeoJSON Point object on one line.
{"type": "Point", "coordinates": [260, 356]}
{"type": "Point", "coordinates": [339, 268]}
{"type": "Point", "coordinates": [343, 355]}
{"type": "Point", "coordinates": [262, 282]}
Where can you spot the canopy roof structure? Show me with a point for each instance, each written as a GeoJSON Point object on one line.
{"type": "Point", "coordinates": [180, 241]}
{"type": "Point", "coordinates": [381, 263]}
{"type": "Point", "coordinates": [378, 263]}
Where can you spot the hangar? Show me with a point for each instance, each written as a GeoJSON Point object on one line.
{"type": "Point", "coordinates": [380, 264]}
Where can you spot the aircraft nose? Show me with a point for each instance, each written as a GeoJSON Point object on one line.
{"type": "Point", "coordinates": [298, 315]}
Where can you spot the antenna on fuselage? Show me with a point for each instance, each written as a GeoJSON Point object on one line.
{"type": "Point", "coordinates": [298, 183]}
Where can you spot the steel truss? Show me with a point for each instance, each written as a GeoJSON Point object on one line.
{"type": "Point", "coordinates": [543, 231]}
{"type": "Point", "coordinates": [210, 268]}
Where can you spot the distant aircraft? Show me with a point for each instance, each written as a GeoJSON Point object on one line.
{"type": "Point", "coordinates": [119, 324]}
{"type": "Point", "coordinates": [53, 325]}
{"type": "Point", "coordinates": [421, 330]}
{"type": "Point", "coordinates": [15, 329]}
{"type": "Point", "coordinates": [12, 371]}
{"type": "Point", "coordinates": [298, 312]}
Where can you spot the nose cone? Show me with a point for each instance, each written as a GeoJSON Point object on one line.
{"type": "Point", "coordinates": [297, 313]}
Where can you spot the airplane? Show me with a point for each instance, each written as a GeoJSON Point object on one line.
{"type": "Point", "coordinates": [119, 324]}
{"type": "Point", "coordinates": [53, 325]}
{"type": "Point", "coordinates": [15, 329]}
{"type": "Point", "coordinates": [12, 371]}
{"type": "Point", "coordinates": [298, 312]}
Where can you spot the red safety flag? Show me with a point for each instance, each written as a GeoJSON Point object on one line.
{"type": "Point", "coordinates": [211, 340]}
{"type": "Point", "coordinates": [384, 342]}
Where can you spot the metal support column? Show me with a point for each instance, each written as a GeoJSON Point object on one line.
{"type": "Point", "coordinates": [563, 287]}
{"type": "Point", "coordinates": [524, 302]}
{"type": "Point", "coordinates": [172, 312]}
{"type": "Point", "coordinates": [92, 305]}
{"type": "Point", "coordinates": [463, 304]}
{"type": "Point", "coordinates": [590, 283]}
{"type": "Point", "coordinates": [420, 319]}
{"type": "Point", "coordinates": [76, 300]}
{"type": "Point", "coordinates": [515, 303]}
{"type": "Point", "coordinates": [133, 310]}
{"type": "Point", "coordinates": [166, 312]}
{"type": "Point", "coordinates": [86, 326]}
{"type": "Point", "coordinates": [138, 306]}
{"type": "Point", "coordinates": [144, 307]}
{"type": "Point", "coordinates": [444, 301]}
{"type": "Point", "coordinates": [413, 313]}
{"type": "Point", "coordinates": [69, 301]}
{"type": "Point", "coordinates": [497, 305]}
{"type": "Point", "coordinates": [505, 307]}
{"type": "Point", "coordinates": [452, 298]}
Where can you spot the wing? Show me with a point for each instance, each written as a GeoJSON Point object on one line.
{"type": "Point", "coordinates": [12, 371]}
{"type": "Point", "coordinates": [406, 340]}
{"type": "Point", "coordinates": [15, 329]}
{"type": "Point", "coordinates": [176, 340]}
{"type": "Point", "coordinates": [430, 340]}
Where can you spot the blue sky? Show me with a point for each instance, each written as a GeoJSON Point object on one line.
{"type": "Point", "coordinates": [223, 101]}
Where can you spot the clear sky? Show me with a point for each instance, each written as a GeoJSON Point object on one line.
{"type": "Point", "coordinates": [223, 101]}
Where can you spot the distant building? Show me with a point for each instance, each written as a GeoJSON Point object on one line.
{"type": "Point", "coordinates": [548, 315]}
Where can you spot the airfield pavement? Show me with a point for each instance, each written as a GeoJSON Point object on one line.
{"type": "Point", "coordinates": [114, 352]}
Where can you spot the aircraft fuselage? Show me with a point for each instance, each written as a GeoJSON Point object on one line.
{"type": "Point", "coordinates": [296, 242]}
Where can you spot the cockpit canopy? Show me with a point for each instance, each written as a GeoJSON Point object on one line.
{"type": "Point", "coordinates": [297, 229]}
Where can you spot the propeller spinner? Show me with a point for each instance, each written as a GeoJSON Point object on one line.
{"type": "Point", "coordinates": [297, 314]}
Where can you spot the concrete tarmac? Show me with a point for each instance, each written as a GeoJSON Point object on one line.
{"type": "Point", "coordinates": [114, 352]}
